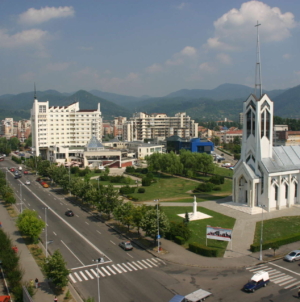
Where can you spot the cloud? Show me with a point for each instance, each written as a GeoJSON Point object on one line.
{"type": "Point", "coordinates": [224, 58]}
{"type": "Point", "coordinates": [286, 56]}
{"type": "Point", "coordinates": [23, 38]}
{"type": "Point", "coordinates": [207, 67]}
{"type": "Point", "coordinates": [233, 29]}
{"type": "Point", "coordinates": [297, 73]}
{"type": "Point", "coordinates": [181, 6]}
{"type": "Point", "coordinates": [86, 48]}
{"type": "Point", "coordinates": [36, 16]}
{"type": "Point", "coordinates": [180, 57]}
{"type": "Point", "coordinates": [154, 68]}
{"type": "Point", "coordinates": [58, 66]}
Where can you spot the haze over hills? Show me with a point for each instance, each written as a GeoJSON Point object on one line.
{"type": "Point", "coordinates": [198, 103]}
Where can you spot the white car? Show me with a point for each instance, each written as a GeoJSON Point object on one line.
{"type": "Point", "coordinates": [27, 182]}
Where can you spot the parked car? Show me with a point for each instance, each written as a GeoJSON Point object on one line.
{"type": "Point", "coordinates": [44, 185]}
{"type": "Point", "coordinates": [292, 256]}
{"type": "Point", "coordinates": [12, 169]}
{"type": "Point", "coordinates": [69, 213]}
{"type": "Point", "coordinates": [38, 179]}
{"type": "Point", "coordinates": [26, 172]}
{"type": "Point", "coordinates": [258, 280]}
{"type": "Point", "coordinates": [126, 245]}
{"type": "Point", "coordinates": [27, 182]}
{"type": "Point", "coordinates": [20, 168]}
{"type": "Point", "coordinates": [18, 176]}
{"type": "Point", "coordinates": [227, 165]}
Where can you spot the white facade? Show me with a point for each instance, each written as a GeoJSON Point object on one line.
{"type": "Point", "coordinates": [265, 175]}
{"type": "Point", "coordinates": [63, 126]}
{"type": "Point", "coordinates": [142, 149]}
{"type": "Point", "coordinates": [7, 127]}
{"type": "Point", "coordinates": [149, 126]}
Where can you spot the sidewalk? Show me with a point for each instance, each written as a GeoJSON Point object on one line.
{"type": "Point", "coordinates": [31, 269]}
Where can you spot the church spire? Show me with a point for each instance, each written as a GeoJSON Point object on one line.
{"type": "Point", "coordinates": [34, 91]}
{"type": "Point", "coordinates": [258, 82]}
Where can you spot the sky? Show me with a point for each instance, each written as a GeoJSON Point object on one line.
{"type": "Point", "coordinates": [146, 47]}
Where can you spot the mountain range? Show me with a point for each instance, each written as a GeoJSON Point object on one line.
{"type": "Point", "coordinates": [223, 101]}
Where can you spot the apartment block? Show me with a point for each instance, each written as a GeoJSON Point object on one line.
{"type": "Point", "coordinates": [149, 126]}
{"type": "Point", "coordinates": [7, 127]}
{"type": "Point", "coordinates": [118, 124]}
{"type": "Point", "coordinates": [23, 129]}
{"type": "Point", "coordinates": [65, 126]}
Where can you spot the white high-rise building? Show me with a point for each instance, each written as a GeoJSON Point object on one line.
{"type": "Point", "coordinates": [65, 126]}
{"type": "Point", "coordinates": [158, 125]}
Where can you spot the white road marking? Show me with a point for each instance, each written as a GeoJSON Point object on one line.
{"type": "Point", "coordinates": [284, 278]}
{"type": "Point", "coordinates": [112, 242]}
{"type": "Point", "coordinates": [127, 267]}
{"type": "Point", "coordinates": [83, 275]}
{"type": "Point", "coordinates": [257, 268]}
{"type": "Point", "coordinates": [272, 271]}
{"type": "Point", "coordinates": [67, 208]}
{"type": "Point", "coordinates": [286, 282]}
{"type": "Point", "coordinates": [94, 273]}
{"type": "Point", "coordinates": [129, 255]}
{"type": "Point", "coordinates": [111, 270]}
{"type": "Point", "coordinates": [136, 265]}
{"type": "Point", "coordinates": [103, 268]}
{"type": "Point", "coordinates": [54, 233]}
{"type": "Point", "coordinates": [276, 275]}
{"type": "Point", "coordinates": [77, 215]}
{"type": "Point", "coordinates": [147, 263]}
{"type": "Point", "coordinates": [99, 232]}
{"type": "Point", "coordinates": [119, 271]}
{"type": "Point", "coordinates": [72, 253]}
{"type": "Point", "coordinates": [122, 268]}
{"type": "Point", "coordinates": [292, 285]}
{"type": "Point", "coordinates": [285, 268]}
{"type": "Point", "coordinates": [151, 262]}
{"type": "Point", "coordinates": [40, 217]}
{"type": "Point", "coordinates": [61, 204]}
{"type": "Point", "coordinates": [79, 279]}
{"type": "Point", "coordinates": [140, 263]}
{"type": "Point", "coordinates": [29, 204]}
{"type": "Point", "coordinates": [86, 223]}
{"type": "Point", "coordinates": [132, 266]}
{"type": "Point", "coordinates": [71, 277]}
{"type": "Point", "coordinates": [161, 261]}
{"type": "Point", "coordinates": [100, 273]}
{"type": "Point", "coordinates": [34, 210]}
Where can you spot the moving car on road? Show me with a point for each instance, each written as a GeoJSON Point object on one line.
{"type": "Point", "coordinates": [258, 280]}
{"type": "Point", "coordinates": [25, 172]}
{"type": "Point", "coordinates": [69, 213]}
{"type": "Point", "coordinates": [27, 182]}
{"type": "Point", "coordinates": [198, 295]}
{"type": "Point", "coordinates": [292, 256]}
{"type": "Point", "coordinates": [126, 245]}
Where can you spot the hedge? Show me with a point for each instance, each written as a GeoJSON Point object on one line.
{"type": "Point", "coordinates": [179, 240]}
{"type": "Point", "coordinates": [280, 241]}
{"type": "Point", "coordinates": [141, 190]}
{"type": "Point", "coordinates": [203, 250]}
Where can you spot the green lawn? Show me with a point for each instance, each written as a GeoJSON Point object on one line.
{"type": "Point", "coordinates": [198, 227]}
{"type": "Point", "coordinates": [277, 227]}
{"type": "Point", "coordinates": [223, 171]}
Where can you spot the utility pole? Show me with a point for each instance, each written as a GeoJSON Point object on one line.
{"type": "Point", "coordinates": [158, 236]}
{"type": "Point", "coordinates": [46, 231]}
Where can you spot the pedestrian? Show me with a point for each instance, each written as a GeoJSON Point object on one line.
{"type": "Point", "coordinates": [299, 293]}
{"type": "Point", "coordinates": [0, 224]}
{"type": "Point", "coordinates": [55, 299]}
{"type": "Point", "coordinates": [36, 282]}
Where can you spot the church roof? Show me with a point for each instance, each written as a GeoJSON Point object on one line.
{"type": "Point", "coordinates": [285, 158]}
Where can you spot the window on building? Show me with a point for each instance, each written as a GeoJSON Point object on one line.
{"type": "Point", "coordinates": [276, 192]}
{"type": "Point", "coordinates": [42, 108]}
{"type": "Point", "coordinates": [296, 189]}
{"type": "Point", "coordinates": [268, 124]}
{"type": "Point", "coordinates": [262, 124]}
{"type": "Point", "coordinates": [286, 191]}
{"type": "Point", "coordinates": [248, 117]}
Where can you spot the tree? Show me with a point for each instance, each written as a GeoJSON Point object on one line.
{"type": "Point", "coordinates": [43, 166]}
{"type": "Point", "coordinates": [150, 226]}
{"type": "Point", "coordinates": [137, 215]}
{"type": "Point", "coordinates": [274, 247]}
{"type": "Point", "coordinates": [207, 163]}
{"type": "Point", "coordinates": [55, 269]}
{"type": "Point", "coordinates": [30, 225]}
{"type": "Point", "coordinates": [124, 213]}
{"type": "Point", "coordinates": [179, 229]}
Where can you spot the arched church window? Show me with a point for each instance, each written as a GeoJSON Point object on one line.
{"type": "Point", "coordinates": [262, 124]}
{"type": "Point", "coordinates": [286, 191]}
{"type": "Point", "coordinates": [268, 124]}
{"type": "Point", "coordinates": [253, 123]}
{"type": "Point", "coordinates": [296, 189]}
{"type": "Point", "coordinates": [248, 116]}
{"type": "Point", "coordinates": [276, 192]}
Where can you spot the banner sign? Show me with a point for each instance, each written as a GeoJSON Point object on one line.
{"type": "Point", "coordinates": [218, 233]}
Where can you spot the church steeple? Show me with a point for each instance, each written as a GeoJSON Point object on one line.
{"type": "Point", "coordinates": [258, 80]}
{"type": "Point", "coordinates": [34, 92]}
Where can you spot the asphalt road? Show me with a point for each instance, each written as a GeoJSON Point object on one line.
{"type": "Point", "coordinates": [138, 275]}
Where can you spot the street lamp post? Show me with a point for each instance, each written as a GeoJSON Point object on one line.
{"type": "Point", "coordinates": [261, 232]}
{"type": "Point", "coordinates": [46, 231]}
{"type": "Point", "coordinates": [158, 236]}
{"type": "Point", "coordinates": [98, 285]}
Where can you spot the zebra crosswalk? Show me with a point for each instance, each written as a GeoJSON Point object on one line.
{"type": "Point", "coordinates": [276, 276]}
{"type": "Point", "coordinates": [86, 274]}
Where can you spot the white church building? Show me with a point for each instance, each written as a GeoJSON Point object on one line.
{"type": "Point", "coordinates": [265, 175]}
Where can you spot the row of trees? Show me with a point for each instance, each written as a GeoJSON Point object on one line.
{"type": "Point", "coordinates": [187, 163]}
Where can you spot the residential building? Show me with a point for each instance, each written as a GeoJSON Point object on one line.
{"type": "Point", "coordinates": [143, 149]}
{"type": "Point", "coordinates": [23, 129]}
{"type": "Point", "coordinates": [118, 126]}
{"type": "Point", "coordinates": [7, 127]}
{"type": "Point", "coordinates": [230, 135]}
{"type": "Point", "coordinates": [63, 126]}
{"type": "Point", "coordinates": [287, 138]}
{"type": "Point", "coordinates": [148, 126]}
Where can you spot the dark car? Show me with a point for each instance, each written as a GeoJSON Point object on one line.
{"type": "Point", "coordinates": [69, 213]}
{"type": "Point", "coordinates": [126, 245]}
{"type": "Point", "coordinates": [38, 179]}
{"type": "Point", "coordinates": [18, 176]}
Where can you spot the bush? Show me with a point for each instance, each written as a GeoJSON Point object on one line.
{"type": "Point", "coordinates": [74, 170]}
{"type": "Point", "coordinates": [204, 187]}
{"type": "Point", "coordinates": [217, 180]}
{"type": "Point", "coordinates": [83, 173]}
{"type": "Point", "coordinates": [127, 190]}
{"type": "Point", "coordinates": [255, 247]}
{"type": "Point", "coordinates": [98, 171]}
{"type": "Point", "coordinates": [179, 240]}
{"type": "Point", "coordinates": [217, 188]}
{"type": "Point", "coordinates": [104, 177]}
{"type": "Point", "coordinates": [203, 250]}
{"type": "Point", "coordinates": [237, 156]}
{"type": "Point", "coordinates": [141, 190]}
{"type": "Point", "coordinates": [146, 182]}
{"type": "Point", "coordinates": [130, 169]}
{"type": "Point", "coordinates": [150, 175]}
{"type": "Point", "coordinates": [130, 197]}
{"type": "Point", "coordinates": [178, 229]}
